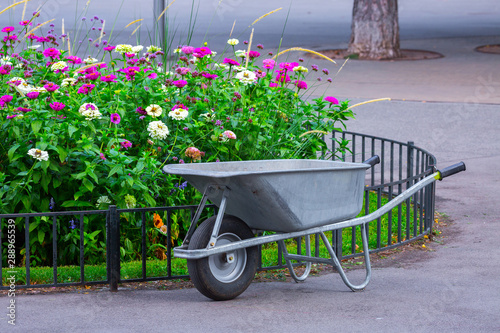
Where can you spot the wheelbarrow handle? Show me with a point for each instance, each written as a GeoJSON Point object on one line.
{"type": "Point", "coordinates": [451, 170]}
{"type": "Point", "coordinates": [372, 160]}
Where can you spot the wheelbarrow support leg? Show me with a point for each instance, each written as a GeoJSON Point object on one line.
{"type": "Point", "coordinates": [337, 264]}
{"type": "Point", "coordinates": [288, 261]}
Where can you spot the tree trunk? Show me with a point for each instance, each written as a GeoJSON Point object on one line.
{"type": "Point", "coordinates": [375, 29]}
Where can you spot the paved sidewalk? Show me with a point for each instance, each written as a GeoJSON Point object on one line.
{"type": "Point", "coordinates": [452, 289]}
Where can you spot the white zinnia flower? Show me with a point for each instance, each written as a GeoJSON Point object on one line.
{"type": "Point", "coordinates": [158, 130]}
{"type": "Point", "coordinates": [137, 49]}
{"type": "Point", "coordinates": [38, 89]}
{"type": "Point", "coordinates": [154, 110]}
{"type": "Point", "coordinates": [103, 200]}
{"type": "Point", "coordinates": [153, 48]}
{"type": "Point", "coordinates": [24, 87]}
{"type": "Point", "coordinates": [90, 60]}
{"type": "Point", "coordinates": [240, 53]}
{"type": "Point", "coordinates": [34, 47]}
{"type": "Point", "coordinates": [123, 48]}
{"type": "Point", "coordinates": [16, 79]}
{"type": "Point", "coordinates": [178, 50]}
{"type": "Point", "coordinates": [58, 65]}
{"type": "Point", "coordinates": [5, 61]}
{"type": "Point", "coordinates": [300, 69]}
{"type": "Point", "coordinates": [233, 41]}
{"type": "Point", "coordinates": [178, 114]}
{"type": "Point", "coordinates": [90, 111]}
{"type": "Point", "coordinates": [40, 155]}
{"type": "Point", "coordinates": [220, 66]}
{"type": "Point", "coordinates": [246, 77]}
{"type": "Point", "coordinates": [68, 81]}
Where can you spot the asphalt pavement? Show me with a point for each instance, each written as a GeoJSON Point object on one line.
{"type": "Point", "coordinates": [449, 106]}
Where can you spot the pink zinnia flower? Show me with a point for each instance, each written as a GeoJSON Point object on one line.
{"type": "Point", "coordinates": [102, 157]}
{"type": "Point", "coordinates": [73, 60]}
{"type": "Point", "coordinates": [179, 83]}
{"type": "Point", "coordinates": [115, 118]}
{"type": "Point", "coordinates": [187, 49]}
{"type": "Point", "coordinates": [332, 100]}
{"type": "Point", "coordinates": [52, 53]}
{"type": "Point", "coordinates": [253, 54]}
{"type": "Point", "coordinates": [203, 51]}
{"type": "Point", "coordinates": [5, 69]}
{"type": "Point", "coordinates": [209, 76]}
{"type": "Point", "coordinates": [32, 94]}
{"type": "Point", "coordinates": [268, 63]}
{"type": "Point", "coordinates": [229, 135]}
{"type": "Point", "coordinates": [23, 109]}
{"type": "Point", "coordinates": [230, 62]}
{"type": "Point", "coordinates": [86, 88]}
{"type": "Point", "coordinates": [301, 84]}
{"type": "Point", "coordinates": [283, 78]}
{"type": "Point", "coordinates": [57, 106]}
{"type": "Point", "coordinates": [26, 22]}
{"type": "Point", "coordinates": [12, 116]}
{"type": "Point", "coordinates": [6, 99]}
{"type": "Point", "coordinates": [193, 153]}
{"type": "Point", "coordinates": [108, 78]}
{"type": "Point", "coordinates": [273, 85]}
{"type": "Point", "coordinates": [126, 144]}
{"type": "Point", "coordinates": [92, 76]}
{"type": "Point", "coordinates": [51, 87]}
{"type": "Point", "coordinates": [182, 70]}
{"type": "Point", "coordinates": [326, 71]}
{"type": "Point", "coordinates": [109, 48]}
{"type": "Point", "coordinates": [289, 66]}
{"type": "Point", "coordinates": [8, 29]}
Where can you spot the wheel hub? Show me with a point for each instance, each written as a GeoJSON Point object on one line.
{"type": "Point", "coordinates": [228, 267]}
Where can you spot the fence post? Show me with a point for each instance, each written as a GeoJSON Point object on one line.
{"type": "Point", "coordinates": [114, 249]}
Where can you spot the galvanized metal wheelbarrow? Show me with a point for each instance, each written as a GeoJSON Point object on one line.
{"type": "Point", "coordinates": [293, 198]}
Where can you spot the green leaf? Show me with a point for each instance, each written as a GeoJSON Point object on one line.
{"type": "Point", "coordinates": [36, 125]}
{"type": "Point", "coordinates": [73, 203]}
{"type": "Point", "coordinates": [46, 178]}
{"type": "Point", "coordinates": [88, 184]}
{"type": "Point", "coordinates": [26, 202]}
{"type": "Point", "coordinates": [62, 153]}
{"type": "Point", "coordinates": [22, 173]}
{"type": "Point", "coordinates": [93, 175]}
{"type": "Point", "coordinates": [33, 226]}
{"type": "Point", "coordinates": [12, 150]}
{"type": "Point", "coordinates": [71, 129]}
{"type": "Point", "coordinates": [115, 169]}
{"type": "Point", "coordinates": [41, 236]}
{"type": "Point", "coordinates": [56, 182]}
{"type": "Point", "coordinates": [45, 165]}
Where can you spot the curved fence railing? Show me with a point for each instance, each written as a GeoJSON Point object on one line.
{"type": "Point", "coordinates": [402, 165]}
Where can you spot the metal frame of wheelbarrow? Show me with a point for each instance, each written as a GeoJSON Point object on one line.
{"type": "Point", "coordinates": [212, 249]}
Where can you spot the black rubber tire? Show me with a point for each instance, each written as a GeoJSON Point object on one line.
{"type": "Point", "coordinates": [200, 271]}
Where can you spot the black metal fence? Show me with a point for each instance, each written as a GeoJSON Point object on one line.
{"type": "Point", "coordinates": [402, 165]}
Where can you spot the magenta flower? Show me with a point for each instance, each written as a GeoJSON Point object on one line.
{"type": "Point", "coordinates": [203, 51]}
{"type": "Point", "coordinates": [5, 69]}
{"type": "Point", "coordinates": [8, 29]}
{"type": "Point", "coordinates": [126, 144]}
{"type": "Point", "coordinates": [93, 76]}
{"type": "Point", "coordinates": [32, 94]}
{"type": "Point", "coordinates": [332, 100]}
{"type": "Point", "coordinates": [109, 48]}
{"type": "Point", "coordinates": [21, 109]}
{"type": "Point", "coordinates": [108, 78]}
{"type": "Point", "coordinates": [26, 22]}
{"type": "Point", "coordinates": [182, 70]}
{"type": "Point", "coordinates": [51, 87]}
{"type": "Point", "coordinates": [314, 68]}
{"type": "Point", "coordinates": [326, 71]}
{"type": "Point", "coordinates": [268, 63]}
{"type": "Point", "coordinates": [102, 157]}
{"type": "Point", "coordinates": [57, 106]}
{"type": "Point", "coordinates": [74, 60]}
{"type": "Point", "coordinates": [301, 84]}
{"type": "Point", "coordinates": [115, 118]}
{"type": "Point", "coordinates": [85, 88]}
{"type": "Point", "coordinates": [209, 76]}
{"type": "Point", "coordinates": [230, 62]}
{"type": "Point", "coordinates": [130, 72]}
{"type": "Point", "coordinates": [141, 111]}
{"type": "Point", "coordinates": [260, 46]}
{"type": "Point", "coordinates": [253, 54]}
{"type": "Point", "coordinates": [289, 66]}
{"type": "Point", "coordinates": [187, 49]}
{"type": "Point", "coordinates": [283, 78]}
{"type": "Point", "coordinates": [51, 53]}
{"type": "Point", "coordinates": [179, 83]}
{"type": "Point", "coordinates": [6, 99]}
{"type": "Point", "coordinates": [273, 85]}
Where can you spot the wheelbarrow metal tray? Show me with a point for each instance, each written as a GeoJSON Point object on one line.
{"type": "Point", "coordinates": [282, 195]}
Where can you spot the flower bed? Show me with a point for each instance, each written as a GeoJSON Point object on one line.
{"type": "Point", "coordinates": [80, 133]}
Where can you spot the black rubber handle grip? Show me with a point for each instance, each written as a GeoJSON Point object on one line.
{"type": "Point", "coordinates": [372, 160]}
{"type": "Point", "coordinates": [451, 170]}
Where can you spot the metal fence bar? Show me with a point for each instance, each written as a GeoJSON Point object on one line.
{"type": "Point", "coordinates": [54, 247]}
{"type": "Point", "coordinates": [27, 247]}
{"type": "Point", "coordinates": [114, 244]}
{"type": "Point", "coordinates": [143, 244]}
{"type": "Point", "coordinates": [82, 251]}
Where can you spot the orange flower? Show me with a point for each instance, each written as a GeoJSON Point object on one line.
{"type": "Point", "coordinates": [157, 221]}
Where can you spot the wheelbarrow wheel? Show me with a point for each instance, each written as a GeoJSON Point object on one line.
{"type": "Point", "coordinates": [218, 277]}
